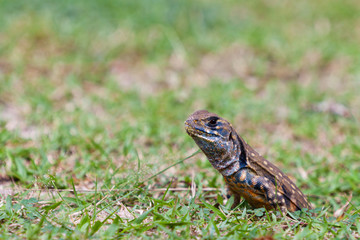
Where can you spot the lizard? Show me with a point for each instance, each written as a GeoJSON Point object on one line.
{"type": "Point", "coordinates": [246, 173]}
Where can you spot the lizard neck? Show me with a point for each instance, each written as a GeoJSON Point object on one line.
{"type": "Point", "coordinates": [231, 160]}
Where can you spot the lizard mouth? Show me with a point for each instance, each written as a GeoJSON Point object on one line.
{"type": "Point", "coordinates": [196, 132]}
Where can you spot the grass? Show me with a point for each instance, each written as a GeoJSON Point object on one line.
{"type": "Point", "coordinates": [94, 94]}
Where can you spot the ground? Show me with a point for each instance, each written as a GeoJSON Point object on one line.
{"type": "Point", "coordinates": [94, 95]}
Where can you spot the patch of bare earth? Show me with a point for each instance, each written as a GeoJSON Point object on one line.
{"type": "Point", "coordinates": [14, 118]}
{"type": "Point", "coordinates": [179, 74]}
{"type": "Point", "coordinates": [233, 62]}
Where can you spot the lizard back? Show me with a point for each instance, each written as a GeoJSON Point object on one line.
{"type": "Point", "coordinates": [262, 167]}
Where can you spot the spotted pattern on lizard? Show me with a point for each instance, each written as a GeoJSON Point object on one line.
{"type": "Point", "coordinates": [246, 173]}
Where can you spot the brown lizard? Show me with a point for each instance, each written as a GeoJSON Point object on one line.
{"type": "Point", "coordinates": [246, 173]}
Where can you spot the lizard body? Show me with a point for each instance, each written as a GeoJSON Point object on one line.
{"type": "Point", "coordinates": [246, 173]}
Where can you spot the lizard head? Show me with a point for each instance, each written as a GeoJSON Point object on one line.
{"type": "Point", "coordinates": [211, 133]}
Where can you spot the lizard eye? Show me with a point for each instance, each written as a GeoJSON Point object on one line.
{"type": "Point", "coordinates": [212, 121]}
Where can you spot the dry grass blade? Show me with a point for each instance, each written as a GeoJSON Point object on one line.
{"type": "Point", "coordinates": [193, 185]}
{"type": "Point", "coordinates": [339, 214]}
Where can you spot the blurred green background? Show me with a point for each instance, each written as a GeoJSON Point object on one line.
{"type": "Point", "coordinates": [96, 93]}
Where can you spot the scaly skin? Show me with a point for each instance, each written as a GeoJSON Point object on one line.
{"type": "Point", "coordinates": [246, 173]}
